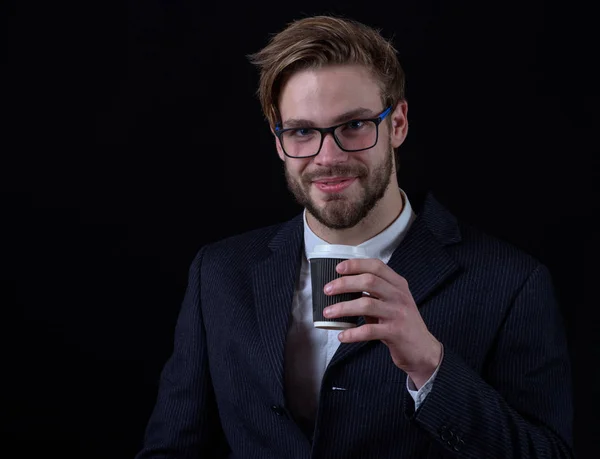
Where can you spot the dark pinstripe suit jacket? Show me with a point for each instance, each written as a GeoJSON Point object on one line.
{"type": "Point", "coordinates": [503, 389]}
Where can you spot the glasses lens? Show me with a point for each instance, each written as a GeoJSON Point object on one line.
{"type": "Point", "coordinates": [301, 142]}
{"type": "Point", "coordinates": [357, 135]}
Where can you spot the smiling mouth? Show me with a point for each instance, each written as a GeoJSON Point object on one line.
{"type": "Point", "coordinates": [334, 185]}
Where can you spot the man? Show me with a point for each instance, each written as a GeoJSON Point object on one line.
{"type": "Point", "coordinates": [460, 349]}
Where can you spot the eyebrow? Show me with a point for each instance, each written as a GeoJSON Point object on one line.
{"type": "Point", "coordinates": [346, 116]}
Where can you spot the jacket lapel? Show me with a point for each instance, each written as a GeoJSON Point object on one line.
{"type": "Point", "coordinates": [274, 281]}
{"type": "Point", "coordinates": [421, 258]}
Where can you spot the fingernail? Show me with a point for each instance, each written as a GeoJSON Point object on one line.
{"type": "Point", "coordinates": [326, 311]}
{"type": "Point", "coordinates": [328, 288]}
{"type": "Point", "coordinates": [341, 268]}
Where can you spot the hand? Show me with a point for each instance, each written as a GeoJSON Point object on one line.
{"type": "Point", "coordinates": [391, 316]}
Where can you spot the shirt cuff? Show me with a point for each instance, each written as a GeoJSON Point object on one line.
{"type": "Point", "coordinates": [419, 395]}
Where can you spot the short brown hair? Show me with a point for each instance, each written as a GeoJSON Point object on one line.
{"type": "Point", "coordinates": [324, 40]}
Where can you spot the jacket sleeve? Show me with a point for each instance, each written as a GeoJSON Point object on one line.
{"type": "Point", "coordinates": [521, 406]}
{"type": "Point", "coordinates": [185, 422]}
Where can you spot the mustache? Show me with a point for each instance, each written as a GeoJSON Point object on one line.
{"type": "Point", "coordinates": [336, 171]}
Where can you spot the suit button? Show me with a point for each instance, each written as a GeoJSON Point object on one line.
{"type": "Point", "coordinates": [451, 440]}
{"type": "Point", "coordinates": [444, 433]}
{"type": "Point", "coordinates": [459, 445]}
{"type": "Point", "coordinates": [279, 411]}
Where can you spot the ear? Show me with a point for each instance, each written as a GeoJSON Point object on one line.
{"type": "Point", "coordinates": [399, 123]}
{"type": "Point", "coordinates": [278, 146]}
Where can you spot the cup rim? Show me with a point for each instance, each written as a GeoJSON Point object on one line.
{"type": "Point", "coordinates": [337, 251]}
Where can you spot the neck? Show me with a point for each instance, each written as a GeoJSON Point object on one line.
{"type": "Point", "coordinates": [381, 216]}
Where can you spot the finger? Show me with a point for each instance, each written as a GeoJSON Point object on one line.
{"type": "Point", "coordinates": [364, 306]}
{"type": "Point", "coordinates": [366, 282]}
{"type": "Point", "coordinates": [370, 265]}
{"type": "Point", "coordinates": [367, 332]}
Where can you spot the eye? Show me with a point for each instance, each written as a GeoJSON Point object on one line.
{"type": "Point", "coordinates": [301, 132]}
{"type": "Point", "coordinates": [355, 124]}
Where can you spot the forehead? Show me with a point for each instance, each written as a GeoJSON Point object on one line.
{"type": "Point", "coordinates": [322, 94]}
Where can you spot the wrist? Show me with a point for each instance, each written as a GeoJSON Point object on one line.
{"type": "Point", "coordinates": [427, 368]}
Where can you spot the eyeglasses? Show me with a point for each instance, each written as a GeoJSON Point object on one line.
{"type": "Point", "coordinates": [354, 135]}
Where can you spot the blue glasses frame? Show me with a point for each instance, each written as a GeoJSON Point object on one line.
{"type": "Point", "coordinates": [331, 129]}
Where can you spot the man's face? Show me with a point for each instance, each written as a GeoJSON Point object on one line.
{"type": "Point", "coordinates": [322, 97]}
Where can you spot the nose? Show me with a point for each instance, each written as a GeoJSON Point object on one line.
{"type": "Point", "coordinates": [330, 153]}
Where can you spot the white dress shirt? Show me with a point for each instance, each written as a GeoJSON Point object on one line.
{"type": "Point", "coordinates": [308, 349]}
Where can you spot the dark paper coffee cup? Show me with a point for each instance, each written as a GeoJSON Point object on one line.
{"type": "Point", "coordinates": [323, 260]}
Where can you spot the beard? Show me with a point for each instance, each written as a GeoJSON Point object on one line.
{"type": "Point", "coordinates": [341, 212]}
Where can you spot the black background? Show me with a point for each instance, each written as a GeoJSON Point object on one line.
{"type": "Point", "coordinates": [132, 135]}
